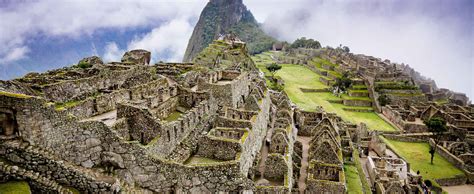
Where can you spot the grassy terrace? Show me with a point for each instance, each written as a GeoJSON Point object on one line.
{"type": "Point", "coordinates": [417, 154]}
{"type": "Point", "coordinates": [352, 179]}
{"type": "Point", "coordinates": [173, 116]}
{"type": "Point", "coordinates": [296, 77]}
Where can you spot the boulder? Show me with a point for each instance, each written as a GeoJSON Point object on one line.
{"type": "Point", "coordinates": [113, 159]}
{"type": "Point", "coordinates": [137, 57]}
{"type": "Point", "coordinates": [94, 60]}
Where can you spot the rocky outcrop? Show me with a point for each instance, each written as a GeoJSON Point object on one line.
{"type": "Point", "coordinates": [139, 57]}
{"type": "Point", "coordinates": [94, 60]}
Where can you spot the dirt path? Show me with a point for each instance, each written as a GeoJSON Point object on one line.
{"type": "Point", "coordinates": [304, 162]}
{"type": "Point", "coordinates": [263, 155]}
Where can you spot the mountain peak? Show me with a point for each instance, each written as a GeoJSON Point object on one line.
{"type": "Point", "coordinates": [223, 17]}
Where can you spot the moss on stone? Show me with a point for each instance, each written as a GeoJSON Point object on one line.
{"type": "Point", "coordinates": [173, 116]}
{"type": "Point", "coordinates": [15, 187]}
{"type": "Point", "coordinates": [66, 105]}
{"type": "Point", "coordinates": [14, 95]}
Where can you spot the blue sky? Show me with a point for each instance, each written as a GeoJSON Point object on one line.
{"type": "Point", "coordinates": [433, 36]}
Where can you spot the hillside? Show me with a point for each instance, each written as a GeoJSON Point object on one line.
{"type": "Point", "coordinates": [222, 17]}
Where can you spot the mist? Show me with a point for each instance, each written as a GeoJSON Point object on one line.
{"type": "Point", "coordinates": [433, 37]}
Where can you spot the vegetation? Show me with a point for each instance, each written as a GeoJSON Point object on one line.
{"type": "Point", "coordinates": [306, 43]}
{"type": "Point", "coordinates": [257, 40]}
{"type": "Point", "coordinates": [354, 184]}
{"type": "Point", "coordinates": [272, 68]}
{"type": "Point", "coordinates": [394, 86]}
{"type": "Point", "coordinates": [200, 160]}
{"type": "Point", "coordinates": [383, 100]}
{"type": "Point", "coordinates": [14, 95]}
{"type": "Point", "coordinates": [296, 77]}
{"type": "Point", "coordinates": [343, 83]}
{"type": "Point", "coordinates": [84, 65]}
{"type": "Point", "coordinates": [66, 105]}
{"type": "Point", "coordinates": [344, 48]}
{"type": "Point", "coordinates": [437, 126]}
{"type": "Point", "coordinates": [415, 154]}
{"type": "Point", "coordinates": [173, 116]}
{"type": "Point", "coordinates": [362, 178]}
{"type": "Point", "coordinates": [15, 187]}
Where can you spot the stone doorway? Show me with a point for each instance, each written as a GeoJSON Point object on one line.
{"type": "Point", "coordinates": [8, 125]}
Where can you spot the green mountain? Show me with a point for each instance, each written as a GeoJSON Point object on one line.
{"type": "Point", "coordinates": [221, 17]}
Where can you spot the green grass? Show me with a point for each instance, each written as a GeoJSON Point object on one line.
{"type": "Point", "coordinates": [15, 187]}
{"type": "Point", "coordinates": [296, 77]}
{"type": "Point", "coordinates": [173, 116]}
{"type": "Point", "coordinates": [347, 97]}
{"type": "Point", "coordinates": [359, 91]}
{"type": "Point", "coordinates": [417, 154]}
{"type": "Point", "coordinates": [66, 105]}
{"type": "Point", "coordinates": [200, 160]}
{"type": "Point", "coordinates": [359, 87]}
{"type": "Point", "coordinates": [354, 184]}
{"type": "Point", "coordinates": [14, 95]}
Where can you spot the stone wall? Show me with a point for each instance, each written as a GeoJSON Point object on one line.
{"type": "Point", "coordinates": [39, 124]}
{"type": "Point", "coordinates": [452, 181]}
{"type": "Point", "coordinates": [229, 93]}
{"type": "Point", "coordinates": [253, 143]}
{"type": "Point", "coordinates": [447, 155]}
{"type": "Point", "coordinates": [36, 183]}
{"type": "Point", "coordinates": [76, 89]}
{"type": "Point", "coordinates": [219, 148]}
{"type": "Point", "coordinates": [143, 127]}
{"type": "Point", "coordinates": [276, 167]}
{"type": "Point", "coordinates": [39, 161]}
{"type": "Point", "coordinates": [197, 119]}
{"type": "Point", "coordinates": [365, 103]}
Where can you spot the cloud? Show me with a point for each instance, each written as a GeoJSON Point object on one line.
{"type": "Point", "coordinates": [74, 19]}
{"type": "Point", "coordinates": [15, 54]}
{"type": "Point", "coordinates": [168, 41]}
{"type": "Point", "coordinates": [434, 37]}
{"type": "Point", "coordinates": [112, 52]}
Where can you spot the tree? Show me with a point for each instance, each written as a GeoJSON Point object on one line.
{"type": "Point", "coordinates": [344, 82]}
{"type": "Point", "coordinates": [346, 49]}
{"type": "Point", "coordinates": [272, 68]}
{"type": "Point", "coordinates": [306, 43]}
{"type": "Point", "coordinates": [384, 100]}
{"type": "Point", "coordinates": [437, 126]}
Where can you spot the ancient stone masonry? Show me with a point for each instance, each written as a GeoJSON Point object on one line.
{"type": "Point", "coordinates": [132, 127]}
{"type": "Point", "coordinates": [325, 171]}
{"type": "Point", "coordinates": [213, 126]}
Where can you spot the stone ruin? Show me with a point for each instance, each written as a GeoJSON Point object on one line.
{"type": "Point", "coordinates": [131, 127]}
{"type": "Point", "coordinates": [203, 127]}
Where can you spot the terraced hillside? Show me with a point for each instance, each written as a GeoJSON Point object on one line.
{"type": "Point", "coordinates": [296, 77]}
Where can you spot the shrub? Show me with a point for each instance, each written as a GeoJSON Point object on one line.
{"type": "Point", "coordinates": [384, 100]}
{"type": "Point", "coordinates": [84, 65]}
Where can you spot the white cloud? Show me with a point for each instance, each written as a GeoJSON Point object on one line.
{"type": "Point", "coordinates": [15, 54]}
{"type": "Point", "coordinates": [112, 52]}
{"type": "Point", "coordinates": [168, 41]}
{"type": "Point", "coordinates": [75, 18]}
